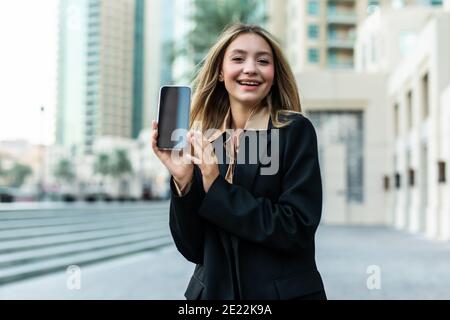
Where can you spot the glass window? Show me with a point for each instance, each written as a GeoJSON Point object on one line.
{"type": "Point", "coordinates": [313, 31]}
{"type": "Point", "coordinates": [425, 97]}
{"type": "Point", "coordinates": [332, 57]}
{"type": "Point", "coordinates": [313, 55]}
{"type": "Point", "coordinates": [436, 2]}
{"type": "Point", "coordinates": [313, 7]}
{"type": "Point", "coordinates": [441, 171]}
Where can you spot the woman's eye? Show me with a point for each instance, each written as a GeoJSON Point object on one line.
{"type": "Point", "coordinates": [263, 61]}
{"type": "Point", "coordinates": [237, 59]}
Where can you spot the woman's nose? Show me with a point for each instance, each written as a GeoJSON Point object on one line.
{"type": "Point", "coordinates": [249, 67]}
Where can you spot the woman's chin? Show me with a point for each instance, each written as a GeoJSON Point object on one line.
{"type": "Point", "coordinates": [249, 100]}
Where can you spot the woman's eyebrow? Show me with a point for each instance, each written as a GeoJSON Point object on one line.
{"type": "Point", "coordinates": [259, 53]}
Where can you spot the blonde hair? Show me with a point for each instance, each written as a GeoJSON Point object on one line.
{"type": "Point", "coordinates": [210, 100]}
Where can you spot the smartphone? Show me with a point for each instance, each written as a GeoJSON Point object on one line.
{"type": "Point", "coordinates": [174, 108]}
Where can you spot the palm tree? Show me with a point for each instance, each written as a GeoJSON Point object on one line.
{"type": "Point", "coordinates": [211, 17]}
{"type": "Point", "coordinates": [64, 171]}
{"type": "Point", "coordinates": [120, 167]}
{"type": "Point", "coordinates": [102, 166]}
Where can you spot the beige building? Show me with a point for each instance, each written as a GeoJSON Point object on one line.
{"type": "Point", "coordinates": [418, 92]}
{"type": "Point", "coordinates": [317, 34]}
{"type": "Point", "coordinates": [387, 36]}
{"type": "Point", "coordinates": [346, 108]}
{"type": "Point", "coordinates": [321, 34]}
{"type": "Point", "coordinates": [348, 111]}
{"type": "Point", "coordinates": [349, 108]}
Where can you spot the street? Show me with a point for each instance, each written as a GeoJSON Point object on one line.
{"type": "Point", "coordinates": [124, 251]}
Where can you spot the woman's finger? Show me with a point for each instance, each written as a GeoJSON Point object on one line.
{"type": "Point", "coordinates": [155, 148]}
{"type": "Point", "coordinates": [154, 136]}
{"type": "Point", "coordinates": [192, 159]}
{"type": "Point", "coordinates": [204, 149]}
{"type": "Point", "coordinates": [208, 150]}
{"type": "Point", "coordinates": [196, 142]}
{"type": "Point", "coordinates": [188, 148]}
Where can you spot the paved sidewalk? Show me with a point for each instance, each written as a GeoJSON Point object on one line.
{"type": "Point", "coordinates": [411, 266]}
{"type": "Point", "coordinates": [162, 274]}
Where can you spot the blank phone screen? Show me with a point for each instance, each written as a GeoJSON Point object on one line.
{"type": "Point", "coordinates": [173, 116]}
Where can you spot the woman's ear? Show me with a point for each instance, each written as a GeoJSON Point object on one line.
{"type": "Point", "coordinates": [221, 76]}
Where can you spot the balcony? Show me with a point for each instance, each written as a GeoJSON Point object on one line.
{"type": "Point", "coordinates": [340, 42]}
{"type": "Point", "coordinates": [340, 65]}
{"type": "Point", "coordinates": [341, 17]}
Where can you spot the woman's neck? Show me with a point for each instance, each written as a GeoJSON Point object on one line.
{"type": "Point", "coordinates": [239, 115]}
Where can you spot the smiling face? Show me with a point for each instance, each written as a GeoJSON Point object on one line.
{"type": "Point", "coordinates": [248, 69]}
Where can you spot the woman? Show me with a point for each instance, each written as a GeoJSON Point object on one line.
{"type": "Point", "coordinates": [250, 233]}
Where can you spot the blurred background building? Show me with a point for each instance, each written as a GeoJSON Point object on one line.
{"type": "Point", "coordinates": [418, 107]}
{"type": "Point", "coordinates": [100, 74]}
{"type": "Point", "coordinates": [345, 54]}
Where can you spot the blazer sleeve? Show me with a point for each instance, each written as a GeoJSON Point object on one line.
{"type": "Point", "coordinates": [290, 223]}
{"type": "Point", "coordinates": [186, 226]}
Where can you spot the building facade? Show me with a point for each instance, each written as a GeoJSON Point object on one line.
{"type": "Point", "coordinates": [349, 106]}
{"type": "Point", "coordinates": [100, 71]}
{"type": "Point", "coordinates": [420, 109]}
{"type": "Point", "coordinates": [317, 34]}
{"type": "Point", "coordinates": [349, 114]}
{"type": "Point", "coordinates": [387, 36]}
{"type": "Point", "coordinates": [321, 34]}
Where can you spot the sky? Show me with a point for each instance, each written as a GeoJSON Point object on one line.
{"type": "Point", "coordinates": [28, 57]}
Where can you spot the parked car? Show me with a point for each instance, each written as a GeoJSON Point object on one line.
{"type": "Point", "coordinates": [6, 194]}
{"type": "Point", "coordinates": [97, 196]}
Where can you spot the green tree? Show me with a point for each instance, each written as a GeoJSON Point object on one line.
{"type": "Point", "coordinates": [17, 174]}
{"type": "Point", "coordinates": [64, 171]}
{"type": "Point", "coordinates": [211, 17]}
{"type": "Point", "coordinates": [2, 171]}
{"type": "Point", "coordinates": [102, 166]}
{"type": "Point", "coordinates": [120, 167]}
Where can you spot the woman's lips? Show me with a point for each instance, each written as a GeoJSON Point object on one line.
{"type": "Point", "coordinates": [248, 87]}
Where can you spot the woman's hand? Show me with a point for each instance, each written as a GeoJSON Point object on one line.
{"type": "Point", "coordinates": [204, 157]}
{"type": "Point", "coordinates": [177, 162]}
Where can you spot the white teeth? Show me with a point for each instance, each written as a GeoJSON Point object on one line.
{"type": "Point", "coordinates": [248, 83]}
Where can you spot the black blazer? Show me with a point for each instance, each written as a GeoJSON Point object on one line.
{"type": "Point", "coordinates": [254, 239]}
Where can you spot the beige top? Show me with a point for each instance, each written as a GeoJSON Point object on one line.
{"type": "Point", "coordinates": [257, 121]}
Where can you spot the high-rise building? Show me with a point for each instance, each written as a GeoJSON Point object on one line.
{"type": "Point", "coordinates": [72, 63]}
{"type": "Point", "coordinates": [161, 16]}
{"type": "Point", "coordinates": [320, 34]}
{"type": "Point", "coordinates": [100, 74]}
{"type": "Point", "coordinates": [317, 34]}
